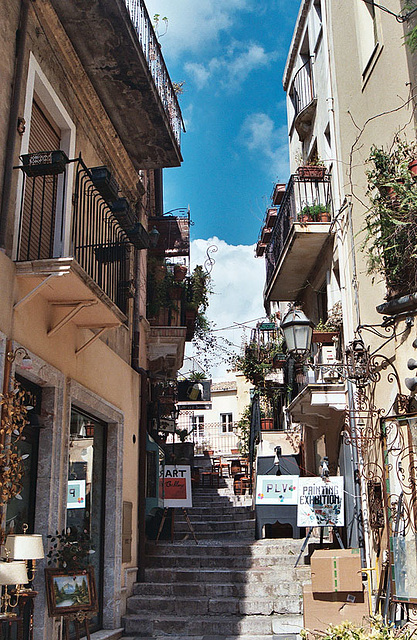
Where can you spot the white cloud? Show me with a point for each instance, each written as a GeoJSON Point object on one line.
{"type": "Point", "coordinates": [259, 134]}
{"type": "Point", "coordinates": [233, 68]}
{"type": "Point", "coordinates": [193, 26]}
{"type": "Point", "coordinates": [238, 279]}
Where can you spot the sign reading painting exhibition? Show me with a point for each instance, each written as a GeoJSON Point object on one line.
{"type": "Point", "coordinates": [279, 490]}
{"type": "Point", "coordinates": [177, 485]}
{"type": "Point", "coordinates": [320, 502]}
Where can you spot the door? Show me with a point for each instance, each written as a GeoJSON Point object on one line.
{"type": "Point", "coordinates": [86, 491]}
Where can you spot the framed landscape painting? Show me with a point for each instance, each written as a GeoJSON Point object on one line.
{"type": "Point", "coordinates": [70, 591]}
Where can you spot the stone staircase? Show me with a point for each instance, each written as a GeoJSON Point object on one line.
{"type": "Point", "coordinates": [228, 587]}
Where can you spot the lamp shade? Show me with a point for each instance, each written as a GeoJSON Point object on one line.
{"type": "Point", "coordinates": [13, 572]}
{"type": "Point", "coordinates": [297, 330]}
{"type": "Point", "coordinates": [25, 546]}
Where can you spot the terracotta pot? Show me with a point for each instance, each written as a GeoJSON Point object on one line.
{"type": "Point", "coordinates": [413, 167]}
{"type": "Point", "coordinates": [324, 216]}
{"type": "Point", "coordinates": [324, 337]}
{"type": "Point", "coordinates": [267, 424]}
{"type": "Point", "coordinates": [311, 172]}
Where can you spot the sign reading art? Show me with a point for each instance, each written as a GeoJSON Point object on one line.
{"type": "Point", "coordinates": [320, 502]}
{"type": "Point", "coordinates": [177, 486]}
{"type": "Point", "coordinates": [279, 490]}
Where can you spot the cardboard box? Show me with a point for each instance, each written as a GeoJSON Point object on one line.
{"type": "Point", "coordinates": [334, 570]}
{"type": "Point", "coordinates": [322, 609]}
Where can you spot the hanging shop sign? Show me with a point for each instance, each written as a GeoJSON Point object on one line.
{"type": "Point", "coordinates": [177, 486]}
{"type": "Point", "coordinates": [279, 490]}
{"type": "Point", "coordinates": [320, 502]}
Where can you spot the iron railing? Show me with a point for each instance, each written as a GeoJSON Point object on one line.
{"type": "Point", "coordinates": [303, 88]}
{"type": "Point", "coordinates": [98, 243]}
{"type": "Point", "coordinates": [300, 193]}
{"type": "Point", "coordinates": [152, 52]}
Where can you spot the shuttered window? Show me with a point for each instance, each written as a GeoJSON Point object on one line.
{"type": "Point", "coordinates": [39, 206]}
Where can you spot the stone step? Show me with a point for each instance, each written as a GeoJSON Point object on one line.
{"type": "Point", "coordinates": [205, 637]}
{"type": "Point", "coordinates": [234, 576]}
{"type": "Point", "coordinates": [238, 524]}
{"type": "Point", "coordinates": [225, 625]}
{"type": "Point", "coordinates": [204, 606]}
{"type": "Point", "coordinates": [217, 562]}
{"type": "Point", "coordinates": [226, 514]}
{"type": "Point", "coordinates": [258, 548]}
{"type": "Point", "coordinates": [248, 535]}
{"type": "Point", "coordinates": [225, 589]}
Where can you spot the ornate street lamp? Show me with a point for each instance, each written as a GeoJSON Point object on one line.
{"type": "Point", "coordinates": [298, 331]}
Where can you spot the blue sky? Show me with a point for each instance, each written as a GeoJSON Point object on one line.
{"type": "Point", "coordinates": [231, 56]}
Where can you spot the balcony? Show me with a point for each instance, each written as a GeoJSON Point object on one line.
{"type": "Point", "coordinates": [174, 236]}
{"type": "Point", "coordinates": [90, 245]}
{"type": "Point", "coordinates": [118, 48]}
{"type": "Point", "coordinates": [302, 228]}
{"type": "Point", "coordinates": [304, 100]}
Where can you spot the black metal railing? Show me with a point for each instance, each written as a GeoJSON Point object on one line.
{"type": "Point", "coordinates": [100, 245]}
{"type": "Point", "coordinates": [98, 242]}
{"type": "Point", "coordinates": [303, 88]}
{"type": "Point", "coordinates": [301, 196]}
{"type": "Point", "coordinates": [152, 52]}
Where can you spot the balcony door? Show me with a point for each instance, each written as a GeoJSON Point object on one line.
{"type": "Point", "coordinates": [37, 221]}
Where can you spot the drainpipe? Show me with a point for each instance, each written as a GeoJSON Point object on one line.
{"type": "Point", "coordinates": [143, 424]}
{"type": "Point", "coordinates": [21, 37]}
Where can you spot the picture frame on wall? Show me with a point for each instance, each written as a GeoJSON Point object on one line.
{"type": "Point", "coordinates": [70, 591]}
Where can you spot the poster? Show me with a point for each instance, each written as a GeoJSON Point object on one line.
{"type": "Point", "coordinates": [279, 490]}
{"type": "Point", "coordinates": [76, 494]}
{"type": "Point", "coordinates": [320, 502]}
{"type": "Point", "coordinates": [177, 485]}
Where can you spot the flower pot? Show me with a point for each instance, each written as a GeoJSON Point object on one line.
{"type": "Point", "coordinates": [304, 218]}
{"type": "Point", "coordinates": [311, 172]}
{"type": "Point", "coordinates": [324, 216]}
{"type": "Point", "coordinates": [267, 424]}
{"type": "Point", "coordinates": [413, 167]}
{"type": "Point", "coordinates": [324, 337]}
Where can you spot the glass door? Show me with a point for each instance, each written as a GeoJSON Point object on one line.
{"type": "Point", "coordinates": [86, 491]}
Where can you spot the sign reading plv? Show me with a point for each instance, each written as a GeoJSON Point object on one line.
{"type": "Point", "coordinates": [320, 502]}
{"type": "Point", "coordinates": [177, 484]}
{"type": "Point", "coordinates": [276, 490]}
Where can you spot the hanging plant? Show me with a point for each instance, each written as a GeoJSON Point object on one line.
{"type": "Point", "coordinates": [391, 222]}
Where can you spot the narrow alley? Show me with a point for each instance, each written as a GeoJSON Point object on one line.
{"type": "Point", "coordinates": [229, 586]}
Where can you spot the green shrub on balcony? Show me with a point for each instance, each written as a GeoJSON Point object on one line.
{"type": "Point", "coordinates": [390, 228]}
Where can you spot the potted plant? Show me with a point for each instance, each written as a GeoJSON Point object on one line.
{"type": "Point", "coordinates": [327, 332]}
{"type": "Point", "coordinates": [314, 213]}
{"type": "Point", "coordinates": [390, 228]}
{"type": "Point", "coordinates": [313, 169]}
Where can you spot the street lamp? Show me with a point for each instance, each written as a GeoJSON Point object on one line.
{"type": "Point", "coordinates": [298, 331]}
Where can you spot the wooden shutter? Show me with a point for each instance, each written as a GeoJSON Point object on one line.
{"type": "Point", "coordinates": [39, 207]}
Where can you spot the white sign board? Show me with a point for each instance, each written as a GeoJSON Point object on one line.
{"type": "Point", "coordinates": [279, 490]}
{"type": "Point", "coordinates": [177, 485]}
{"type": "Point", "coordinates": [320, 502]}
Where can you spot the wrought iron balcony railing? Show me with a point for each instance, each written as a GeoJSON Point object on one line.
{"type": "Point", "coordinates": [152, 51]}
{"type": "Point", "coordinates": [98, 242]}
{"type": "Point", "coordinates": [303, 88]}
{"type": "Point", "coordinates": [307, 201]}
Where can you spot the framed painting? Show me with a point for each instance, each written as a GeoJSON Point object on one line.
{"type": "Point", "coordinates": [70, 591]}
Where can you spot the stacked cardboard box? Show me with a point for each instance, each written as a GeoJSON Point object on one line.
{"type": "Point", "coordinates": [336, 593]}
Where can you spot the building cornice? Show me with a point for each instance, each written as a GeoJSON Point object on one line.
{"type": "Point", "coordinates": [295, 42]}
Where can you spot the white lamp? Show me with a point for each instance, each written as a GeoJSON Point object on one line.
{"type": "Point", "coordinates": [11, 573]}
{"type": "Point", "coordinates": [26, 547]}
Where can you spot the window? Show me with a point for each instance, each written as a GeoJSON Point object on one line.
{"type": "Point", "coordinates": [198, 425]}
{"type": "Point", "coordinates": [226, 422]}
{"type": "Point", "coordinates": [366, 32]}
